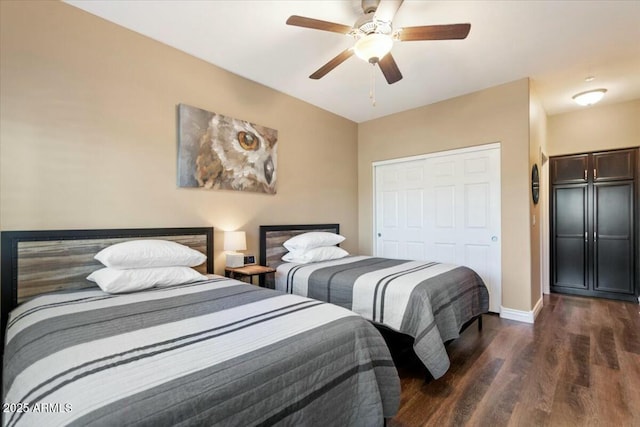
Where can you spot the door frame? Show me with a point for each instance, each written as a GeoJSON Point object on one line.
{"type": "Point", "coordinates": [545, 272]}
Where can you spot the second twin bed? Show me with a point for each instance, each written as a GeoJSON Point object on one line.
{"type": "Point", "coordinates": [429, 301]}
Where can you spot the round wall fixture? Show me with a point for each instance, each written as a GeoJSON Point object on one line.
{"type": "Point", "coordinates": [535, 183]}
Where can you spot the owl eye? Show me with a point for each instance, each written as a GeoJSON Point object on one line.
{"type": "Point", "coordinates": [248, 141]}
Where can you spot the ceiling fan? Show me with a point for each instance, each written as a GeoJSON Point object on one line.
{"type": "Point", "coordinates": [374, 35]}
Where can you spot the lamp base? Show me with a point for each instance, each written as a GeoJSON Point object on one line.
{"type": "Point", "coordinates": [235, 259]}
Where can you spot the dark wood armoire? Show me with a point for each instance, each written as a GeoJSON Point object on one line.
{"type": "Point", "coordinates": [594, 224]}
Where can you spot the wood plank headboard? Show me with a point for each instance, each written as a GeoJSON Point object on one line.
{"type": "Point", "coordinates": [35, 262]}
{"type": "Point", "coordinates": [273, 236]}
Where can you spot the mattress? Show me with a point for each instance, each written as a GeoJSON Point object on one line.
{"type": "Point", "coordinates": [219, 352]}
{"type": "Point", "coordinates": [429, 301]}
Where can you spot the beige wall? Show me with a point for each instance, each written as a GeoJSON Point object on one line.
{"type": "Point", "coordinates": [499, 114]}
{"type": "Point", "coordinates": [88, 140]}
{"type": "Point", "coordinates": [595, 128]}
{"type": "Point", "coordinates": [88, 134]}
{"type": "Point", "coordinates": [537, 144]}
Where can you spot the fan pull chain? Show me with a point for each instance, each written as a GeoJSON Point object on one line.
{"type": "Point", "coordinates": [372, 87]}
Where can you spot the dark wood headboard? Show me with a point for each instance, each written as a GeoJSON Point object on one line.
{"type": "Point", "coordinates": [35, 262]}
{"type": "Point", "coordinates": [273, 236]}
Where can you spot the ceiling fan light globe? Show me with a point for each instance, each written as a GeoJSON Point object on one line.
{"type": "Point", "coordinates": [589, 97]}
{"type": "Point", "coordinates": [373, 47]}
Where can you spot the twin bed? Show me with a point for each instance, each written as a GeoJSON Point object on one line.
{"type": "Point", "coordinates": [430, 302]}
{"type": "Point", "coordinates": [214, 352]}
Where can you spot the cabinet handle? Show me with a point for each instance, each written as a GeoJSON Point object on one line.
{"type": "Point", "coordinates": [585, 174]}
{"type": "Point", "coordinates": [595, 236]}
{"type": "Point", "coordinates": [585, 237]}
{"type": "Point", "coordinates": [595, 174]}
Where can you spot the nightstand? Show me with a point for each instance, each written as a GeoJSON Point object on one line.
{"type": "Point", "coordinates": [249, 271]}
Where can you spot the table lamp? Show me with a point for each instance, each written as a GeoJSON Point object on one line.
{"type": "Point", "coordinates": [235, 241]}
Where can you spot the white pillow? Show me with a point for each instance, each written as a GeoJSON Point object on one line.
{"type": "Point", "coordinates": [324, 253]}
{"type": "Point", "coordinates": [149, 253]}
{"type": "Point", "coordinates": [116, 281]}
{"type": "Point", "coordinates": [311, 240]}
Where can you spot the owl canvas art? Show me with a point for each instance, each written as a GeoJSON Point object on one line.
{"type": "Point", "coordinates": [219, 152]}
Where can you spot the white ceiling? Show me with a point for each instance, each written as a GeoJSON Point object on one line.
{"type": "Point", "coordinates": [556, 43]}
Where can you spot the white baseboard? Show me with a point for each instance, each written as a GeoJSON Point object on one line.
{"type": "Point", "coordinates": [521, 316]}
{"type": "Point", "coordinates": [537, 308]}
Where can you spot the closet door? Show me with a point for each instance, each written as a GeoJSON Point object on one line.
{"type": "Point", "coordinates": [613, 238]}
{"type": "Point", "coordinates": [570, 238]}
{"type": "Point", "coordinates": [400, 189]}
{"type": "Point", "coordinates": [613, 221]}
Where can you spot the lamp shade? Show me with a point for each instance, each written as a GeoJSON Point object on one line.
{"type": "Point", "coordinates": [235, 241]}
{"type": "Point", "coordinates": [589, 97]}
{"type": "Point", "coordinates": [373, 47]}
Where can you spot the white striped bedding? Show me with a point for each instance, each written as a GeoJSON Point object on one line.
{"type": "Point", "coordinates": [427, 300]}
{"type": "Point", "coordinates": [219, 352]}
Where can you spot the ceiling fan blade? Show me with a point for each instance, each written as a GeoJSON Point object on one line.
{"type": "Point", "coordinates": [316, 24]}
{"type": "Point", "coordinates": [343, 56]}
{"type": "Point", "coordinates": [387, 10]}
{"type": "Point", "coordinates": [390, 69]}
{"type": "Point", "coordinates": [434, 32]}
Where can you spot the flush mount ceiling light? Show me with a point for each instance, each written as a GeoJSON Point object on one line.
{"type": "Point", "coordinates": [589, 97]}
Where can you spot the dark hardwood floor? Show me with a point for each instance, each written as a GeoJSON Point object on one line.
{"type": "Point", "coordinates": [578, 365]}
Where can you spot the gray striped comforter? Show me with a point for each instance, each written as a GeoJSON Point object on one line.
{"type": "Point", "coordinates": [219, 352]}
{"type": "Point", "coordinates": [426, 300]}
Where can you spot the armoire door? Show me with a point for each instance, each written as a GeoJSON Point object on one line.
{"type": "Point", "coordinates": [570, 169]}
{"type": "Point", "coordinates": [614, 165]}
{"type": "Point", "coordinates": [570, 240]}
{"type": "Point", "coordinates": [613, 237]}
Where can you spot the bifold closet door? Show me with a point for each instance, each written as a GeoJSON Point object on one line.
{"type": "Point", "coordinates": [400, 217]}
